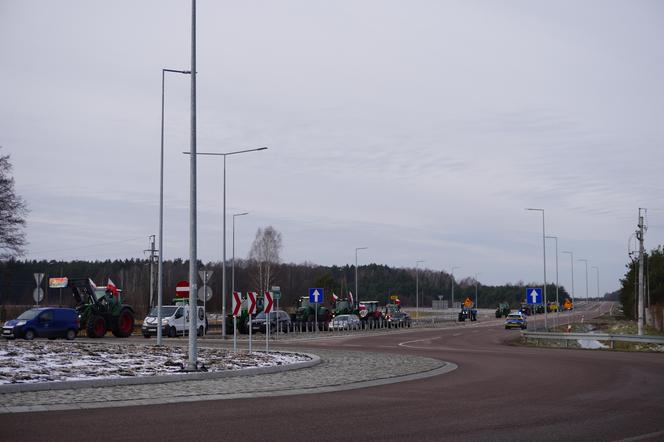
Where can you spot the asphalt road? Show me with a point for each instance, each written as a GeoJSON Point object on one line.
{"type": "Point", "coordinates": [499, 392]}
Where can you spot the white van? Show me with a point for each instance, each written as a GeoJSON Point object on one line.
{"type": "Point", "coordinates": [174, 321]}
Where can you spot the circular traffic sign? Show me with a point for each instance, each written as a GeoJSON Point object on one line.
{"type": "Point", "coordinates": [208, 293]}
{"type": "Point", "coordinates": [182, 289]}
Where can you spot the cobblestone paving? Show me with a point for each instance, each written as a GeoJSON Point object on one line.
{"type": "Point", "coordinates": [337, 370]}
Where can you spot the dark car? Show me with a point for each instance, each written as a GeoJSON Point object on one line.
{"type": "Point", "coordinates": [284, 321]}
{"type": "Point", "coordinates": [398, 319]}
{"type": "Point", "coordinates": [44, 322]}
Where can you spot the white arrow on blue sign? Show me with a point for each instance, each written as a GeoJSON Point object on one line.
{"type": "Point", "coordinates": [316, 296]}
{"type": "Point", "coordinates": [534, 296]}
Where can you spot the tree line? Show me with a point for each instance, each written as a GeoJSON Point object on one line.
{"type": "Point", "coordinates": [654, 282]}
{"type": "Point", "coordinates": [375, 282]}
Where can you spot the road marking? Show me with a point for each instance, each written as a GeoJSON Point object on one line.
{"type": "Point", "coordinates": [456, 334]}
{"type": "Point", "coordinates": [405, 344]}
{"type": "Point", "coordinates": [642, 437]}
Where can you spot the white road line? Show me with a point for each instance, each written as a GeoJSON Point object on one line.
{"type": "Point", "coordinates": [642, 436]}
{"type": "Point", "coordinates": [405, 344]}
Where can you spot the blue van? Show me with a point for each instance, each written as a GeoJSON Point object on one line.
{"type": "Point", "coordinates": [44, 322]}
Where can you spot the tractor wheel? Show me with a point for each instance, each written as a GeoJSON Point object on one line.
{"type": "Point", "coordinates": [124, 324]}
{"type": "Point", "coordinates": [96, 327]}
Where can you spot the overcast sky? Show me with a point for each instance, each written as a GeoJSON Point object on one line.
{"type": "Point", "coordinates": [420, 129]}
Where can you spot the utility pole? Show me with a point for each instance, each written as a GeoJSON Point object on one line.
{"type": "Point", "coordinates": [153, 255]}
{"type": "Point", "coordinates": [641, 304]}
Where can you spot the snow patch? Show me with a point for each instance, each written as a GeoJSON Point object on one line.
{"type": "Point", "coordinates": [49, 361]}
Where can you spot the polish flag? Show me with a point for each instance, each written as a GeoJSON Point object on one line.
{"type": "Point", "coordinates": [112, 287]}
{"type": "Point", "coordinates": [350, 296]}
{"type": "Point", "coordinates": [334, 297]}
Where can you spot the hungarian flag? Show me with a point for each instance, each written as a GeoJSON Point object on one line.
{"type": "Point", "coordinates": [334, 297]}
{"type": "Point", "coordinates": [112, 287]}
{"type": "Point", "coordinates": [350, 296]}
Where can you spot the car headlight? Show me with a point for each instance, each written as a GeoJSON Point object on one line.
{"type": "Point", "coordinates": [20, 323]}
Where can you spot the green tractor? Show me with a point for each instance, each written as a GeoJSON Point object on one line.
{"type": "Point", "coordinates": [101, 309]}
{"type": "Point", "coordinates": [306, 313]}
{"type": "Point", "coordinates": [503, 309]}
{"type": "Point", "coordinates": [343, 307]}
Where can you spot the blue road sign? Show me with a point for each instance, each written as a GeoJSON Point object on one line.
{"type": "Point", "coordinates": [533, 296]}
{"type": "Point", "coordinates": [316, 296]}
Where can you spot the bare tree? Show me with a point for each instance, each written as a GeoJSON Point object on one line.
{"type": "Point", "coordinates": [264, 255]}
{"type": "Point", "coordinates": [12, 214]}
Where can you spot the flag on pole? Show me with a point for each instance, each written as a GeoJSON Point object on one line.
{"type": "Point", "coordinates": [350, 296]}
{"type": "Point", "coordinates": [334, 297]}
{"type": "Point", "coordinates": [112, 287]}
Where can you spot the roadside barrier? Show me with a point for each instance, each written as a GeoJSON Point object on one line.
{"type": "Point", "coordinates": [611, 338]}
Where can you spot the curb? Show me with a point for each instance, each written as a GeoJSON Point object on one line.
{"type": "Point", "coordinates": [160, 379]}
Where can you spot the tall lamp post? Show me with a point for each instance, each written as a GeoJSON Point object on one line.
{"type": "Point", "coordinates": [544, 255]}
{"type": "Point", "coordinates": [357, 295]}
{"type": "Point", "coordinates": [571, 263]}
{"type": "Point", "coordinates": [452, 274]}
{"type": "Point", "coordinates": [557, 300]}
{"type": "Point", "coordinates": [160, 265]}
{"type": "Point", "coordinates": [417, 288]}
{"type": "Point", "coordinates": [233, 261]}
{"type": "Point", "coordinates": [597, 269]}
{"type": "Point", "coordinates": [223, 269]}
{"type": "Point", "coordinates": [476, 275]}
{"type": "Point", "coordinates": [586, 261]}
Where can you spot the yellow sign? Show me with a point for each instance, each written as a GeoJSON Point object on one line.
{"type": "Point", "coordinates": [568, 304]}
{"type": "Point", "coordinates": [394, 297]}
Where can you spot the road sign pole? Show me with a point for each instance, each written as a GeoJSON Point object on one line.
{"type": "Point", "coordinates": [267, 332]}
{"type": "Point", "coordinates": [250, 327]}
{"type": "Point", "coordinates": [316, 316]}
{"type": "Point", "coordinates": [234, 334]}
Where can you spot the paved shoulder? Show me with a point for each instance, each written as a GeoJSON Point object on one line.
{"type": "Point", "coordinates": [338, 370]}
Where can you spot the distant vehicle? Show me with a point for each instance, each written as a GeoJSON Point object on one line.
{"type": "Point", "coordinates": [345, 322]}
{"type": "Point", "coordinates": [174, 320]}
{"type": "Point", "coordinates": [552, 307]}
{"type": "Point", "coordinates": [503, 309]}
{"type": "Point", "coordinates": [277, 318]}
{"type": "Point", "coordinates": [467, 313]}
{"type": "Point", "coordinates": [516, 320]}
{"type": "Point", "coordinates": [101, 308]}
{"type": "Point", "coordinates": [370, 314]}
{"type": "Point", "coordinates": [44, 322]}
{"type": "Point", "coordinates": [398, 319]}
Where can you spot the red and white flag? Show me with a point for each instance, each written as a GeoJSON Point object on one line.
{"type": "Point", "coordinates": [112, 287]}
{"type": "Point", "coordinates": [350, 296]}
{"type": "Point", "coordinates": [334, 297]}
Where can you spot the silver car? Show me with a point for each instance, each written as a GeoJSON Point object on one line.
{"type": "Point", "coordinates": [345, 322]}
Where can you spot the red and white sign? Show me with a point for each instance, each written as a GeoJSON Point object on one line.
{"type": "Point", "coordinates": [237, 303]}
{"type": "Point", "coordinates": [267, 308]}
{"type": "Point", "coordinates": [251, 302]}
{"type": "Point", "coordinates": [182, 289]}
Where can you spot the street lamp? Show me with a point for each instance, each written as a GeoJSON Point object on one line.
{"type": "Point", "coordinates": [597, 268]}
{"type": "Point", "coordinates": [417, 288]}
{"type": "Point", "coordinates": [476, 275]}
{"type": "Point", "coordinates": [223, 269]}
{"type": "Point", "coordinates": [233, 265]}
{"type": "Point", "coordinates": [357, 295]}
{"type": "Point", "coordinates": [571, 262]}
{"type": "Point", "coordinates": [557, 300]}
{"type": "Point", "coordinates": [452, 273]}
{"type": "Point", "coordinates": [160, 265]}
{"type": "Point", "coordinates": [544, 255]}
{"type": "Point", "coordinates": [586, 261]}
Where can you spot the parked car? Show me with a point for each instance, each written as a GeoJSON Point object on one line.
{"type": "Point", "coordinates": [398, 319]}
{"type": "Point", "coordinates": [345, 322]}
{"type": "Point", "coordinates": [43, 322]}
{"type": "Point", "coordinates": [277, 317]}
{"type": "Point", "coordinates": [516, 320]}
